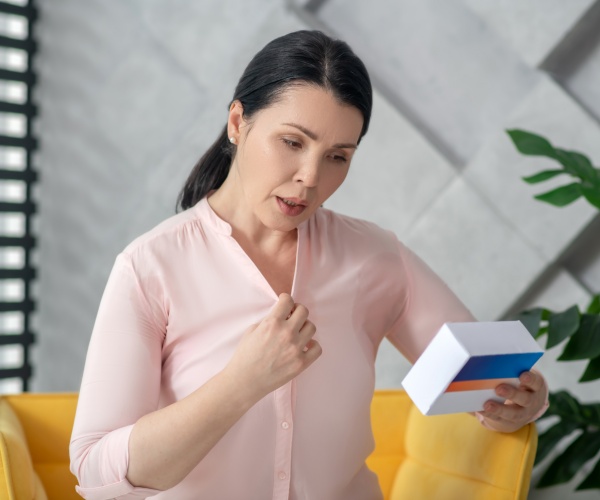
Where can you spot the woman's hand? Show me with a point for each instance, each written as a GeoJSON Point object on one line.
{"type": "Point", "coordinates": [276, 350]}
{"type": "Point", "coordinates": [523, 404]}
{"type": "Point", "coordinates": [181, 434]}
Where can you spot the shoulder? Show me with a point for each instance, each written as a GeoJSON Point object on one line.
{"type": "Point", "coordinates": [171, 237]}
{"type": "Point", "coordinates": [162, 231]}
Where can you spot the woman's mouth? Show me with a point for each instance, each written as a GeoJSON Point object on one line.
{"type": "Point", "coordinates": [291, 206]}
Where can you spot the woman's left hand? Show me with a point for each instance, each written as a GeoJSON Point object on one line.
{"type": "Point", "coordinates": [523, 404]}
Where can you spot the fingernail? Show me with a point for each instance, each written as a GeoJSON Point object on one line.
{"type": "Point", "coordinates": [502, 391]}
{"type": "Point", "coordinates": [526, 377]}
{"type": "Point", "coordinates": [488, 407]}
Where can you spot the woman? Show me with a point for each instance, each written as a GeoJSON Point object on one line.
{"type": "Point", "coordinates": [233, 352]}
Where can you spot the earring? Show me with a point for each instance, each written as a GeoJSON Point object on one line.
{"type": "Point", "coordinates": [232, 140]}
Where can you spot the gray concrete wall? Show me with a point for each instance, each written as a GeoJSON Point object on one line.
{"type": "Point", "coordinates": [132, 91]}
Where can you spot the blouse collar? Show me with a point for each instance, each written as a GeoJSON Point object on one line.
{"type": "Point", "coordinates": [204, 209]}
{"type": "Point", "coordinates": [206, 213]}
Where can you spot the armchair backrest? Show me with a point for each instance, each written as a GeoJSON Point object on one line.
{"type": "Point", "coordinates": [446, 456]}
{"type": "Point", "coordinates": [46, 421]}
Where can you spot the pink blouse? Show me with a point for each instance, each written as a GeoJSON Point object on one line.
{"type": "Point", "coordinates": [176, 304]}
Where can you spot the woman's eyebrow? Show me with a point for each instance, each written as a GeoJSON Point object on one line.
{"type": "Point", "coordinates": [314, 136]}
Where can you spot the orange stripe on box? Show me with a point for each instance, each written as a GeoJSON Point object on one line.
{"type": "Point", "coordinates": [476, 385]}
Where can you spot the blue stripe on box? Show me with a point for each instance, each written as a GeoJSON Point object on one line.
{"type": "Point", "coordinates": [497, 366]}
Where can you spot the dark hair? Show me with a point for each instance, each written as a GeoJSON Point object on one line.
{"type": "Point", "coordinates": [299, 57]}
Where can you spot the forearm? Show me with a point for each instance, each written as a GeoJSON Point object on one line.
{"type": "Point", "coordinates": [167, 444]}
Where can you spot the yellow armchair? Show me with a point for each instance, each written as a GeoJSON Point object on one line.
{"type": "Point", "coordinates": [440, 458]}
{"type": "Point", "coordinates": [35, 430]}
{"type": "Point", "coordinates": [446, 457]}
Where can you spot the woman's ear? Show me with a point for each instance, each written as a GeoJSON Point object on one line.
{"type": "Point", "coordinates": [235, 121]}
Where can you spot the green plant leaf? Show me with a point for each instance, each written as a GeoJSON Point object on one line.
{"type": "Point", "coordinates": [576, 164]}
{"type": "Point", "coordinates": [551, 437]}
{"type": "Point", "coordinates": [565, 406]}
{"type": "Point", "coordinates": [561, 196]}
{"type": "Point", "coordinates": [531, 320]}
{"type": "Point", "coordinates": [591, 194]}
{"type": "Point", "coordinates": [562, 325]}
{"type": "Point", "coordinates": [585, 342]}
{"type": "Point", "coordinates": [594, 307]}
{"type": "Point", "coordinates": [591, 414]}
{"type": "Point", "coordinates": [592, 481]}
{"type": "Point", "coordinates": [568, 463]}
{"type": "Point", "coordinates": [543, 176]}
{"type": "Point", "coordinates": [592, 370]}
{"type": "Point", "coordinates": [531, 144]}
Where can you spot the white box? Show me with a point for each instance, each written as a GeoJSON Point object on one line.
{"type": "Point", "coordinates": [463, 364]}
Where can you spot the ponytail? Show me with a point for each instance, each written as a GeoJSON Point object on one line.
{"type": "Point", "coordinates": [208, 174]}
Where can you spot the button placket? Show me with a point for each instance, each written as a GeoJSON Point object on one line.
{"type": "Point", "coordinates": [283, 441]}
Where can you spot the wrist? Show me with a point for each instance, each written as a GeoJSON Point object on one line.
{"type": "Point", "coordinates": [242, 390]}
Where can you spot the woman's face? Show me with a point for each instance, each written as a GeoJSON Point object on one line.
{"type": "Point", "coordinates": [292, 156]}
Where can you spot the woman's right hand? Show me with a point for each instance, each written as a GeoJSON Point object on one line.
{"type": "Point", "coordinates": [277, 349]}
{"type": "Point", "coordinates": [269, 355]}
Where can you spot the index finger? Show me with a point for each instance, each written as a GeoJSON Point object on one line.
{"type": "Point", "coordinates": [284, 306]}
{"type": "Point", "coordinates": [531, 380]}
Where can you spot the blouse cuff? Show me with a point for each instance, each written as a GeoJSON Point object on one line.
{"type": "Point", "coordinates": [104, 467]}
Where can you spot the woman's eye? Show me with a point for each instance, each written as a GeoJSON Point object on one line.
{"type": "Point", "coordinates": [292, 144]}
{"type": "Point", "coordinates": [339, 158]}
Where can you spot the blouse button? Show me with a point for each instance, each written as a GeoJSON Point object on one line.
{"type": "Point", "coordinates": [282, 475]}
{"type": "Point", "coordinates": [285, 425]}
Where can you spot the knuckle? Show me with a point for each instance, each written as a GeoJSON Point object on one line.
{"type": "Point", "coordinates": [316, 348]}
{"type": "Point", "coordinates": [514, 413]}
{"type": "Point", "coordinates": [268, 321]}
{"type": "Point", "coordinates": [288, 332]}
{"type": "Point", "coordinates": [287, 299]}
{"type": "Point", "coordinates": [527, 399]}
{"type": "Point", "coordinates": [301, 309]}
{"type": "Point", "coordinates": [513, 417]}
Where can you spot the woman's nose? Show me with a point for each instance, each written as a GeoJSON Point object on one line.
{"type": "Point", "coordinates": [308, 173]}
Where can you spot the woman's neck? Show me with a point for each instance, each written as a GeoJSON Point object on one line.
{"type": "Point", "coordinates": [246, 228]}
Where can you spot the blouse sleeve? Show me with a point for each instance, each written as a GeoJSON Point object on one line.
{"type": "Point", "coordinates": [428, 304]}
{"type": "Point", "coordinates": [121, 383]}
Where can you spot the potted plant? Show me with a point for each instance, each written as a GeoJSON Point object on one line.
{"type": "Point", "coordinates": [579, 422]}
